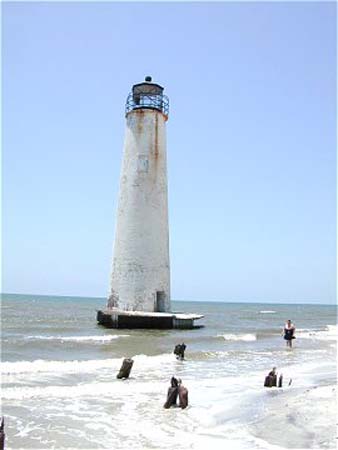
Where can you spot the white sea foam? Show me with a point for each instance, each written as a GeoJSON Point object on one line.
{"type": "Point", "coordinates": [333, 329]}
{"type": "Point", "coordinates": [115, 389]}
{"type": "Point", "coordinates": [219, 407]}
{"type": "Point", "coordinates": [87, 390]}
{"type": "Point", "coordinates": [217, 354]}
{"type": "Point", "coordinates": [78, 366]}
{"type": "Point", "coordinates": [102, 338]}
{"type": "Point", "coordinates": [41, 365]}
{"type": "Point", "coordinates": [238, 337]}
{"type": "Point", "coordinates": [267, 311]}
{"type": "Point", "coordinates": [112, 389]}
{"type": "Point", "coordinates": [146, 360]}
{"type": "Point", "coordinates": [330, 333]}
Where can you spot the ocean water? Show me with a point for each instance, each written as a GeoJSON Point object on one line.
{"type": "Point", "coordinates": [59, 386]}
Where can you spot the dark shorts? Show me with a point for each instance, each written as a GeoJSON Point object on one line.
{"type": "Point", "coordinates": [289, 337]}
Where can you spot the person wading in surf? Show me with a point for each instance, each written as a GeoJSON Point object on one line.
{"type": "Point", "coordinates": [289, 333]}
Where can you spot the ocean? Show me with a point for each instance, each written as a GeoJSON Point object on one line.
{"type": "Point", "coordinates": [59, 385]}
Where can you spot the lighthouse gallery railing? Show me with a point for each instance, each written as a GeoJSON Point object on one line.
{"type": "Point", "coordinates": [150, 101]}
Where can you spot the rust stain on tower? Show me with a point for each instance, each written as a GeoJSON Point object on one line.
{"type": "Point", "coordinates": [156, 139]}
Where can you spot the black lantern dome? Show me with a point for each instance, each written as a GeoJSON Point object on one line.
{"type": "Point", "coordinates": [147, 95]}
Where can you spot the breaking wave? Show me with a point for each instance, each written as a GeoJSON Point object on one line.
{"type": "Point", "coordinates": [103, 338]}
{"type": "Point", "coordinates": [330, 333]}
{"type": "Point", "coordinates": [267, 311]}
{"type": "Point", "coordinates": [79, 366]}
{"type": "Point", "coordinates": [57, 367]}
{"type": "Point", "coordinates": [81, 390]}
{"type": "Point", "coordinates": [238, 337]}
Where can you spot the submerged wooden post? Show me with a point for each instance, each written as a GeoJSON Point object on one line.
{"type": "Point", "coordinates": [171, 397]}
{"type": "Point", "coordinates": [183, 396]}
{"type": "Point", "coordinates": [179, 350]}
{"type": "Point", "coordinates": [125, 369]}
{"type": "Point", "coordinates": [267, 381]}
{"type": "Point", "coordinates": [270, 381]}
{"type": "Point", "coordinates": [172, 393]}
{"type": "Point", "coordinates": [2, 433]}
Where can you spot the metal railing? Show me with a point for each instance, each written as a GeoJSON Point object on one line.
{"type": "Point", "coordinates": [148, 101]}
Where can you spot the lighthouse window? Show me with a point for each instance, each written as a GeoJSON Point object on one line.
{"type": "Point", "coordinates": [142, 164]}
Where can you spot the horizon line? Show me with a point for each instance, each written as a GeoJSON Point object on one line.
{"type": "Point", "coordinates": [176, 300]}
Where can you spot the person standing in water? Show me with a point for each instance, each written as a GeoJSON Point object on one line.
{"type": "Point", "coordinates": [289, 333]}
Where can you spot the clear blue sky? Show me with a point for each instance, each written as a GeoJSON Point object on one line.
{"type": "Point", "coordinates": [251, 144]}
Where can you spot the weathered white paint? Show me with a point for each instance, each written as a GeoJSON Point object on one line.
{"type": "Point", "coordinates": [141, 248]}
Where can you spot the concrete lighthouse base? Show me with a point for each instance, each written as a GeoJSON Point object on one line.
{"type": "Point", "coordinates": [113, 318]}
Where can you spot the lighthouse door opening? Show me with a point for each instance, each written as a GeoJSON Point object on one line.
{"type": "Point", "coordinates": [160, 301]}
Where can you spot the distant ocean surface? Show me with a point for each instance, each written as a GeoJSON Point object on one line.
{"type": "Point", "coordinates": [59, 386]}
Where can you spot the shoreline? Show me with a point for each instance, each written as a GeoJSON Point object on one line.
{"type": "Point", "coordinates": [301, 421]}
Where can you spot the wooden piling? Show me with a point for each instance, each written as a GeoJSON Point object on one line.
{"type": "Point", "coordinates": [125, 369]}
{"type": "Point", "coordinates": [2, 433]}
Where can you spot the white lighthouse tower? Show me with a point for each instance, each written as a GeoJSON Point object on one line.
{"type": "Point", "coordinates": [140, 281]}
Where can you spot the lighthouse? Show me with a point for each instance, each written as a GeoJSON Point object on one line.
{"type": "Point", "coordinates": [139, 294]}
{"type": "Point", "coordinates": [140, 279]}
